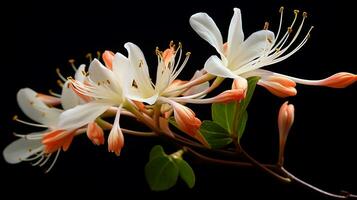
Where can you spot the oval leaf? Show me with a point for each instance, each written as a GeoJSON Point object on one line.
{"type": "Point", "coordinates": [156, 151]}
{"type": "Point", "coordinates": [241, 124]}
{"type": "Point", "coordinates": [215, 135]}
{"type": "Point", "coordinates": [186, 172]}
{"type": "Point", "coordinates": [161, 173]}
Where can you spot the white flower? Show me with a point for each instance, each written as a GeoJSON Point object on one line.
{"type": "Point", "coordinates": [106, 88]}
{"type": "Point", "coordinates": [241, 58]}
{"type": "Point", "coordinates": [39, 146]}
{"type": "Point", "coordinates": [143, 89]}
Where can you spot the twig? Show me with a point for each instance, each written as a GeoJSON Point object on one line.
{"type": "Point", "coordinates": [345, 194]}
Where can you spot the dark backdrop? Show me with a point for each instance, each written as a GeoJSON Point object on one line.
{"type": "Point", "coordinates": [38, 37]}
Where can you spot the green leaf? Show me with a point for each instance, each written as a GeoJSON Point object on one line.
{"type": "Point", "coordinates": [241, 124]}
{"type": "Point", "coordinates": [252, 82]}
{"type": "Point", "coordinates": [232, 116]}
{"type": "Point", "coordinates": [161, 173]}
{"type": "Point", "coordinates": [223, 114]}
{"type": "Point", "coordinates": [215, 135]}
{"type": "Point", "coordinates": [186, 172]}
{"type": "Point", "coordinates": [156, 151]}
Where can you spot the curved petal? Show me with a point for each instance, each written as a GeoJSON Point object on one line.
{"type": "Point", "coordinates": [69, 98]}
{"type": "Point", "coordinates": [235, 33]}
{"type": "Point", "coordinates": [204, 25]}
{"type": "Point", "coordinates": [102, 75]}
{"type": "Point", "coordinates": [80, 75]}
{"type": "Point", "coordinates": [252, 48]}
{"type": "Point", "coordinates": [35, 109]}
{"type": "Point", "coordinates": [150, 100]}
{"type": "Point", "coordinates": [215, 66]}
{"type": "Point", "coordinates": [123, 70]}
{"type": "Point", "coordinates": [81, 115]}
{"type": "Point", "coordinates": [140, 69]}
{"type": "Point", "coordinates": [21, 149]}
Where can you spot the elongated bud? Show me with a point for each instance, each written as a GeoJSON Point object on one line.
{"type": "Point", "coordinates": [48, 100]}
{"type": "Point", "coordinates": [116, 137]}
{"type": "Point", "coordinates": [229, 96]}
{"type": "Point", "coordinates": [187, 121]}
{"type": "Point", "coordinates": [339, 80]}
{"type": "Point", "coordinates": [279, 86]}
{"type": "Point", "coordinates": [95, 133]}
{"type": "Point", "coordinates": [285, 121]}
{"type": "Point", "coordinates": [108, 58]}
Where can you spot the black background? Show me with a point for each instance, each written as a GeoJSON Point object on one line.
{"type": "Point", "coordinates": [38, 37]}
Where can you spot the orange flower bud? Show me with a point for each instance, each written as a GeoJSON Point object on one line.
{"type": "Point", "coordinates": [229, 96]}
{"type": "Point", "coordinates": [285, 121]}
{"type": "Point", "coordinates": [95, 133]}
{"type": "Point", "coordinates": [108, 58]}
{"type": "Point", "coordinates": [339, 80]}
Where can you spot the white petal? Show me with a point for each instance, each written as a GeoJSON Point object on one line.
{"type": "Point", "coordinates": [235, 33]}
{"type": "Point", "coordinates": [141, 72]}
{"type": "Point", "coordinates": [136, 57]}
{"type": "Point", "coordinates": [140, 68]}
{"type": "Point", "coordinates": [204, 25]}
{"type": "Point", "coordinates": [35, 109]}
{"type": "Point", "coordinates": [22, 149]}
{"type": "Point", "coordinates": [100, 74]}
{"type": "Point", "coordinates": [69, 99]}
{"type": "Point", "coordinates": [215, 66]}
{"type": "Point", "coordinates": [82, 115]}
{"type": "Point", "coordinates": [80, 76]}
{"type": "Point", "coordinates": [123, 70]}
{"type": "Point", "coordinates": [150, 100]}
{"type": "Point", "coordinates": [252, 48]}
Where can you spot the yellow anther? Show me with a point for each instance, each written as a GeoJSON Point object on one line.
{"type": "Point", "coordinates": [89, 56]}
{"type": "Point", "coordinates": [296, 12]}
{"type": "Point", "coordinates": [304, 14]}
{"type": "Point", "coordinates": [290, 29]}
{"type": "Point", "coordinates": [59, 82]}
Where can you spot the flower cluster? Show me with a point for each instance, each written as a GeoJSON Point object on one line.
{"type": "Point", "coordinates": [94, 99]}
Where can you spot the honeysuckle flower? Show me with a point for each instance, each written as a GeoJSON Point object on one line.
{"type": "Point", "coordinates": [242, 58]}
{"type": "Point", "coordinates": [38, 145]}
{"type": "Point", "coordinates": [41, 145]}
{"type": "Point", "coordinates": [106, 88]}
{"type": "Point", "coordinates": [143, 89]}
{"type": "Point", "coordinates": [285, 121]}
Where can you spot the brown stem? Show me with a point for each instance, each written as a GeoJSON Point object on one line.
{"type": "Point", "coordinates": [186, 142]}
{"type": "Point", "coordinates": [224, 162]}
{"type": "Point", "coordinates": [264, 168]}
{"type": "Point", "coordinates": [344, 195]}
